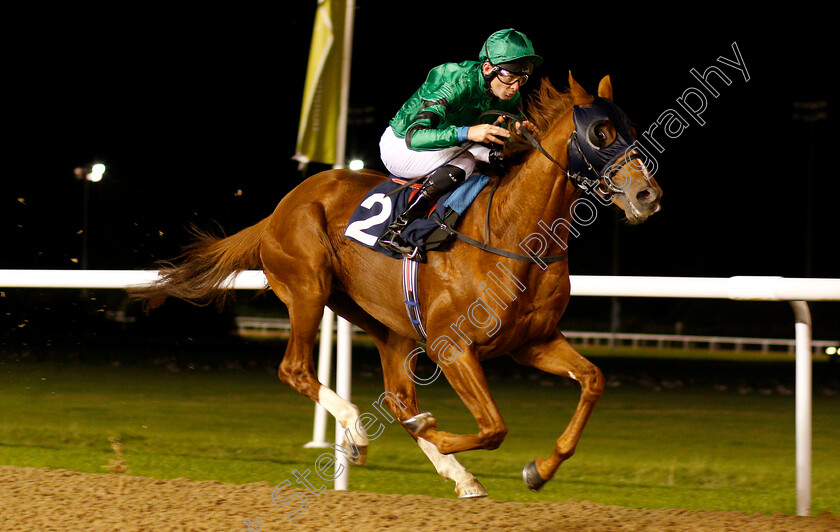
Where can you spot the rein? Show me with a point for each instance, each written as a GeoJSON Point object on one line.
{"type": "Point", "coordinates": [454, 156]}
{"type": "Point", "coordinates": [580, 181]}
{"type": "Point", "coordinates": [577, 179]}
{"type": "Point", "coordinates": [497, 251]}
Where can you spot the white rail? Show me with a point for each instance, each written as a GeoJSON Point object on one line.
{"type": "Point", "coordinates": [797, 291]}
{"type": "Point", "coordinates": [245, 324]}
{"type": "Point", "coordinates": [738, 288]}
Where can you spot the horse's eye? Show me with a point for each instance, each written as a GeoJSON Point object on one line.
{"type": "Point", "coordinates": [601, 134]}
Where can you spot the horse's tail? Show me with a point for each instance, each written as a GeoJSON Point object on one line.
{"type": "Point", "coordinates": [203, 267]}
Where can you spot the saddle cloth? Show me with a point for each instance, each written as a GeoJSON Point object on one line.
{"type": "Point", "coordinates": [377, 211]}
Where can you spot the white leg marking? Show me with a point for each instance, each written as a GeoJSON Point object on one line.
{"type": "Point", "coordinates": [345, 412]}
{"type": "Point", "coordinates": [447, 466]}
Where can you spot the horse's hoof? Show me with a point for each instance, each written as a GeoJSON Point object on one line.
{"type": "Point", "coordinates": [419, 422]}
{"type": "Point", "coordinates": [471, 489]}
{"type": "Point", "coordinates": [532, 477]}
{"type": "Point", "coordinates": [362, 458]}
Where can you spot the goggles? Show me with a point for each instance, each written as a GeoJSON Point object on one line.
{"type": "Point", "coordinates": [509, 78]}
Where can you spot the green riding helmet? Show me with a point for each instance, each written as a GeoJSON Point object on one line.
{"type": "Point", "coordinates": [510, 46]}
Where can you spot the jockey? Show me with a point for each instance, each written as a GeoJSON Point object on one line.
{"type": "Point", "coordinates": [443, 114]}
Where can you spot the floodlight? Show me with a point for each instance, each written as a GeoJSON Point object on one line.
{"type": "Point", "coordinates": [96, 172]}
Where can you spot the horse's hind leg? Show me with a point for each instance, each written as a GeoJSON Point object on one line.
{"type": "Point", "coordinates": [557, 356]}
{"type": "Point", "coordinates": [298, 371]}
{"type": "Point", "coordinates": [300, 276]}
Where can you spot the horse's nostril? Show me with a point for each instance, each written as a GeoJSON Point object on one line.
{"type": "Point", "coordinates": [646, 195]}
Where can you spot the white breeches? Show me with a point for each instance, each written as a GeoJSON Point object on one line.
{"type": "Point", "coordinates": [404, 162]}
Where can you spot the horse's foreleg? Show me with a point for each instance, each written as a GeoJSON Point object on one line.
{"type": "Point", "coordinates": [557, 356]}
{"type": "Point", "coordinates": [401, 394]}
{"type": "Point", "coordinates": [447, 466]}
{"type": "Point", "coordinates": [467, 378]}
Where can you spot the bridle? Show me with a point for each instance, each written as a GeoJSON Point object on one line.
{"type": "Point", "coordinates": [604, 176]}
{"type": "Point", "coordinates": [580, 165]}
{"type": "Point", "coordinates": [583, 175]}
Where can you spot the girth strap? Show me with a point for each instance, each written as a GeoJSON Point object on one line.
{"type": "Point", "coordinates": [412, 303]}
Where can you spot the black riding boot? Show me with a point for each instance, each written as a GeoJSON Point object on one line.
{"type": "Point", "coordinates": [436, 185]}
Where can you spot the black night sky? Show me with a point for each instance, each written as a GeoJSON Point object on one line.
{"type": "Point", "coordinates": [195, 114]}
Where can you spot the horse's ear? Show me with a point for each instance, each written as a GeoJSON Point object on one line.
{"type": "Point", "coordinates": [605, 89]}
{"type": "Point", "coordinates": [579, 95]}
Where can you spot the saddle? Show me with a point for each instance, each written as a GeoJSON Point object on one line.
{"type": "Point", "coordinates": [378, 210]}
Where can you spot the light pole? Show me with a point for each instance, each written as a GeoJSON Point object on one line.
{"type": "Point", "coordinates": [810, 113]}
{"type": "Point", "coordinates": [88, 175]}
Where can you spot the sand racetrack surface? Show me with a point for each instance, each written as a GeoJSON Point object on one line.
{"type": "Point", "coordinates": [60, 500]}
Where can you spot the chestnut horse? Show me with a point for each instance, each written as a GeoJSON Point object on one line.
{"type": "Point", "coordinates": [309, 264]}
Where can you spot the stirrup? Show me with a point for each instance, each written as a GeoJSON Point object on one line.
{"type": "Point", "coordinates": [392, 241]}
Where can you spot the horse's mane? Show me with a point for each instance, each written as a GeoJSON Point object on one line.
{"type": "Point", "coordinates": [543, 108]}
{"type": "Point", "coordinates": [546, 105]}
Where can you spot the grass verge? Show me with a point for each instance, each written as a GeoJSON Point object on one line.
{"type": "Point", "coordinates": [673, 445]}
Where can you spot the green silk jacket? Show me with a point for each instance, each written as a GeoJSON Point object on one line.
{"type": "Point", "coordinates": [452, 96]}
